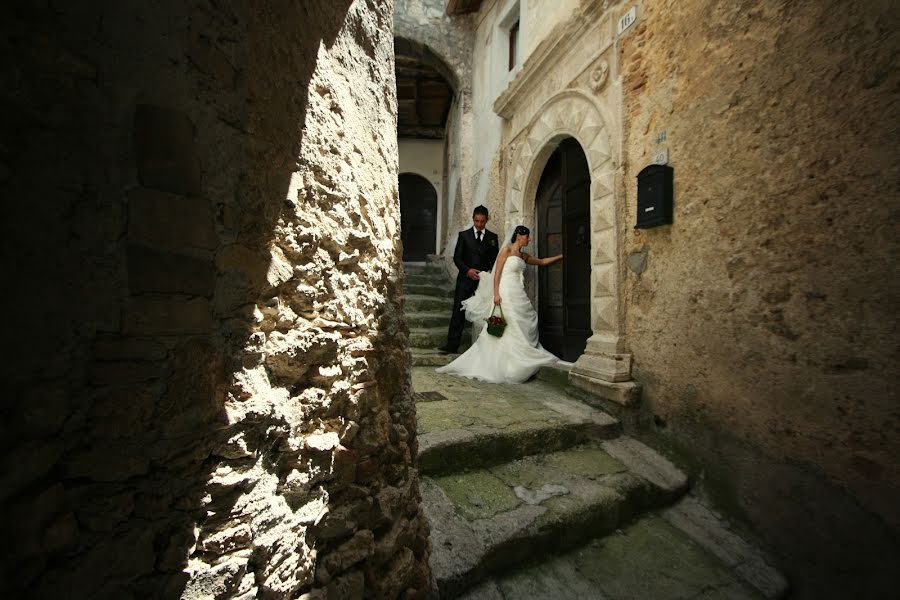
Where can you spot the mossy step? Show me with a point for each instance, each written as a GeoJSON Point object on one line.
{"type": "Point", "coordinates": [428, 319]}
{"type": "Point", "coordinates": [480, 425]}
{"type": "Point", "coordinates": [426, 269]}
{"type": "Point", "coordinates": [430, 357]}
{"type": "Point", "coordinates": [438, 279]}
{"type": "Point", "coordinates": [648, 559]}
{"type": "Point", "coordinates": [441, 291]}
{"type": "Point", "coordinates": [416, 303]}
{"type": "Point", "coordinates": [432, 337]}
{"type": "Point", "coordinates": [489, 520]}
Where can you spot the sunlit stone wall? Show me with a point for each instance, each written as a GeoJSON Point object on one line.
{"type": "Point", "coordinates": [211, 395]}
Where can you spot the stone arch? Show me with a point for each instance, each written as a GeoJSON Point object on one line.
{"type": "Point", "coordinates": [427, 56]}
{"type": "Point", "coordinates": [574, 114]}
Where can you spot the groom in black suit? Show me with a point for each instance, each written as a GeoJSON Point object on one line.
{"type": "Point", "coordinates": [476, 251]}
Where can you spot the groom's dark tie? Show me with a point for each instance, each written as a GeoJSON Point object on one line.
{"type": "Point", "coordinates": [478, 235]}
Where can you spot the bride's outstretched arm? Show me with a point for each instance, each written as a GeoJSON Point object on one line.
{"type": "Point", "coordinates": [498, 272]}
{"type": "Point", "coordinates": [543, 262]}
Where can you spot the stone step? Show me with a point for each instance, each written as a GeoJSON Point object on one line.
{"type": "Point", "coordinates": [650, 558]}
{"type": "Point", "coordinates": [423, 269]}
{"type": "Point", "coordinates": [430, 357]}
{"type": "Point", "coordinates": [434, 337]}
{"type": "Point", "coordinates": [440, 291]}
{"type": "Point", "coordinates": [428, 319]}
{"type": "Point", "coordinates": [478, 425]}
{"type": "Point", "coordinates": [438, 279]}
{"type": "Point", "coordinates": [487, 521]}
{"type": "Point", "coordinates": [416, 303]}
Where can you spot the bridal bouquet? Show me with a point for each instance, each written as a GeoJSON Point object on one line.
{"type": "Point", "coordinates": [496, 324]}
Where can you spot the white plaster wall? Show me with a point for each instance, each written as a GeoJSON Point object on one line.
{"type": "Point", "coordinates": [491, 75]}
{"type": "Point", "coordinates": [426, 158]}
{"type": "Point", "coordinates": [540, 17]}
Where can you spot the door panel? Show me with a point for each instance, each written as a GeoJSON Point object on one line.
{"type": "Point", "coordinates": [551, 280]}
{"type": "Point", "coordinates": [418, 217]}
{"type": "Point", "coordinates": [563, 211]}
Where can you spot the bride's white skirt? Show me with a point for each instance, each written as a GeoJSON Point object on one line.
{"type": "Point", "coordinates": [517, 355]}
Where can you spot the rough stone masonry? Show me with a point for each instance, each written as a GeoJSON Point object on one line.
{"type": "Point", "coordinates": [210, 396]}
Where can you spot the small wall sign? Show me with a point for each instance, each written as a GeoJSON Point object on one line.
{"type": "Point", "coordinates": [627, 19]}
{"type": "Point", "coordinates": [661, 157]}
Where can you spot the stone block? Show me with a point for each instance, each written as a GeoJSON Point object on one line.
{"type": "Point", "coordinates": [166, 154]}
{"type": "Point", "coordinates": [150, 270]}
{"type": "Point", "coordinates": [170, 221]}
{"type": "Point", "coordinates": [166, 315]}
{"type": "Point", "coordinates": [115, 348]}
{"type": "Point", "coordinates": [626, 394]}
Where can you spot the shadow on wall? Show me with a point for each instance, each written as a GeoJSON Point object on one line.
{"type": "Point", "coordinates": [828, 545]}
{"type": "Point", "coordinates": [149, 415]}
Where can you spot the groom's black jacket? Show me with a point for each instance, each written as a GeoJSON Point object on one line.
{"type": "Point", "coordinates": [472, 254]}
{"type": "Point", "coordinates": [469, 254]}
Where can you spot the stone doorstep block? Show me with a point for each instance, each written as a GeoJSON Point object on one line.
{"type": "Point", "coordinates": [581, 507]}
{"type": "Point", "coordinates": [710, 531]}
{"type": "Point", "coordinates": [626, 394]}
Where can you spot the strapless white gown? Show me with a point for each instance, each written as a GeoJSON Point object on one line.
{"type": "Point", "coordinates": [517, 355]}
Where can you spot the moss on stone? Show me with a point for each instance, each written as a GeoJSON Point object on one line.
{"type": "Point", "coordinates": [478, 495]}
{"type": "Point", "coordinates": [652, 559]}
{"type": "Point", "coordinates": [587, 460]}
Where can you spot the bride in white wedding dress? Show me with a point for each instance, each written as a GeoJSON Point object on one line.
{"type": "Point", "coordinates": [518, 354]}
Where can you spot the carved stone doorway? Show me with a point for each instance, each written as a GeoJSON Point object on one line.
{"type": "Point", "coordinates": [563, 224]}
{"type": "Point", "coordinates": [418, 217]}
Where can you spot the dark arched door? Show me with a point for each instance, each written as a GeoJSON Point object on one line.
{"type": "Point", "coordinates": [563, 219]}
{"type": "Point", "coordinates": [418, 216]}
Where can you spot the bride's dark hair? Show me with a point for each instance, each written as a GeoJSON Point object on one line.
{"type": "Point", "coordinates": [519, 230]}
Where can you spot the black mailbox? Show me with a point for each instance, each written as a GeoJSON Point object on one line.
{"type": "Point", "coordinates": [654, 196]}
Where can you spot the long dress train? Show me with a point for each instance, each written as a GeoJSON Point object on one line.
{"type": "Point", "coordinates": [518, 354]}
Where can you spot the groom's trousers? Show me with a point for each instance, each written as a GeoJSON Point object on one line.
{"type": "Point", "coordinates": [465, 287]}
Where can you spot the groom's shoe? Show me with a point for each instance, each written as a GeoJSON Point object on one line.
{"type": "Point", "coordinates": [447, 350]}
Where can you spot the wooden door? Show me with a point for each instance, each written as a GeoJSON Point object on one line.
{"type": "Point", "coordinates": [418, 217]}
{"type": "Point", "coordinates": [563, 215]}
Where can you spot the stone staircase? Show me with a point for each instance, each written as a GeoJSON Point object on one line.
{"type": "Point", "coordinates": [531, 493]}
{"type": "Point", "coordinates": [428, 300]}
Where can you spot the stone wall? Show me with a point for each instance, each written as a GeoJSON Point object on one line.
{"type": "Point", "coordinates": [763, 321]}
{"type": "Point", "coordinates": [209, 395]}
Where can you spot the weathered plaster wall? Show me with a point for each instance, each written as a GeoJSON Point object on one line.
{"type": "Point", "coordinates": [212, 399]}
{"type": "Point", "coordinates": [767, 311]}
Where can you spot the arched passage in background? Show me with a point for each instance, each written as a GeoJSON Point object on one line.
{"type": "Point", "coordinates": [563, 219]}
{"type": "Point", "coordinates": [418, 217]}
{"type": "Point", "coordinates": [426, 91]}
